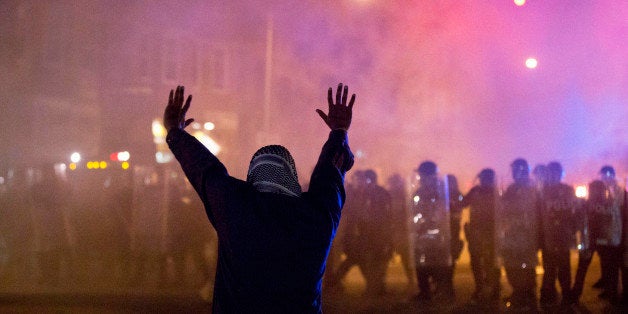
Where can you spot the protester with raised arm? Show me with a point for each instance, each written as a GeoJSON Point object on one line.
{"type": "Point", "coordinates": [273, 238]}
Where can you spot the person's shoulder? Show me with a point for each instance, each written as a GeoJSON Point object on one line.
{"type": "Point", "coordinates": [474, 191]}
{"type": "Point", "coordinates": [567, 187]}
{"type": "Point", "coordinates": [382, 190]}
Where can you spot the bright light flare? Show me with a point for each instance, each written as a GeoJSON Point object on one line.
{"type": "Point", "coordinates": [582, 191]}
{"type": "Point", "coordinates": [209, 126]}
{"type": "Point", "coordinates": [416, 199]}
{"type": "Point", "coordinates": [125, 165]}
{"type": "Point", "coordinates": [207, 142]}
{"type": "Point", "coordinates": [163, 157]}
{"type": "Point", "coordinates": [520, 2]}
{"type": "Point", "coordinates": [159, 132]}
{"type": "Point", "coordinates": [124, 156]}
{"type": "Point", "coordinates": [75, 157]}
{"type": "Point", "coordinates": [531, 63]}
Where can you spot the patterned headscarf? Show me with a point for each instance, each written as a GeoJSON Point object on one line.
{"type": "Point", "coordinates": [272, 169]}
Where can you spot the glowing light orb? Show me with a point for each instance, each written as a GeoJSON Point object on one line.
{"type": "Point", "coordinates": [124, 156]}
{"type": "Point", "coordinates": [72, 166]}
{"type": "Point", "coordinates": [125, 165]}
{"type": "Point", "coordinates": [581, 191]}
{"type": "Point", "coordinates": [520, 2]}
{"type": "Point", "coordinates": [209, 126]}
{"type": "Point", "coordinates": [207, 142]}
{"type": "Point", "coordinates": [75, 157]}
{"type": "Point", "coordinates": [103, 165]}
{"type": "Point", "coordinates": [531, 63]}
{"type": "Point", "coordinates": [158, 129]}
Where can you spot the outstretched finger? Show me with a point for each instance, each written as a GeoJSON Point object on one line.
{"type": "Point", "coordinates": [322, 114]}
{"type": "Point", "coordinates": [187, 122]}
{"type": "Point", "coordinates": [185, 108]}
{"type": "Point", "coordinates": [181, 93]}
{"type": "Point", "coordinates": [177, 92]}
{"type": "Point", "coordinates": [338, 94]}
{"type": "Point", "coordinates": [330, 98]}
{"type": "Point", "coordinates": [351, 101]}
{"type": "Point", "coordinates": [171, 98]}
{"type": "Point", "coordinates": [345, 93]}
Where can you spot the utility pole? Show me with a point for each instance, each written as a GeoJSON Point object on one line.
{"type": "Point", "coordinates": [268, 76]}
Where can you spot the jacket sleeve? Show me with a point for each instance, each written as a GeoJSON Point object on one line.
{"type": "Point", "coordinates": [205, 172]}
{"type": "Point", "coordinates": [327, 181]}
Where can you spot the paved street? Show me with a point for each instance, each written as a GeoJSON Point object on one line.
{"type": "Point", "coordinates": [398, 299]}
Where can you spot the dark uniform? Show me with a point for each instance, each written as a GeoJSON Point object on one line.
{"type": "Point", "coordinates": [349, 236]}
{"type": "Point", "coordinates": [609, 243]}
{"type": "Point", "coordinates": [432, 234]}
{"type": "Point", "coordinates": [558, 231]}
{"type": "Point", "coordinates": [480, 234]}
{"type": "Point", "coordinates": [376, 231]}
{"type": "Point", "coordinates": [518, 228]}
{"type": "Point", "coordinates": [590, 224]}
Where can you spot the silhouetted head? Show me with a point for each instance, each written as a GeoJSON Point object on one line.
{"type": "Point", "coordinates": [395, 182]}
{"type": "Point", "coordinates": [357, 178]}
{"type": "Point", "coordinates": [427, 168]}
{"type": "Point", "coordinates": [487, 177]}
{"type": "Point", "coordinates": [427, 172]}
{"type": "Point", "coordinates": [540, 173]}
{"type": "Point", "coordinates": [520, 170]}
{"type": "Point", "coordinates": [370, 176]}
{"type": "Point", "coordinates": [554, 172]}
{"type": "Point", "coordinates": [597, 191]}
{"type": "Point", "coordinates": [272, 169]}
{"type": "Point", "coordinates": [607, 175]}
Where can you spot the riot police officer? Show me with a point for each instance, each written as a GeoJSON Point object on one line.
{"type": "Point", "coordinates": [591, 227]}
{"type": "Point", "coordinates": [480, 234]}
{"type": "Point", "coordinates": [558, 231]}
{"type": "Point", "coordinates": [377, 228]}
{"type": "Point", "coordinates": [610, 240]}
{"type": "Point", "coordinates": [518, 226]}
{"type": "Point", "coordinates": [431, 233]}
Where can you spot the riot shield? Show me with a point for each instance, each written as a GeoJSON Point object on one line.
{"type": "Point", "coordinates": [430, 225]}
{"type": "Point", "coordinates": [517, 226]}
{"type": "Point", "coordinates": [605, 218]}
{"type": "Point", "coordinates": [558, 217]}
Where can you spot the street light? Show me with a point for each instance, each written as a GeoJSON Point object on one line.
{"type": "Point", "coordinates": [531, 63]}
{"type": "Point", "coordinates": [75, 157]}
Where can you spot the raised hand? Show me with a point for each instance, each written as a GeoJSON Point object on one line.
{"type": "Point", "coordinates": [339, 116]}
{"type": "Point", "coordinates": [174, 115]}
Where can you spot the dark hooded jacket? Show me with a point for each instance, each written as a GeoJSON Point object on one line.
{"type": "Point", "coordinates": [272, 247]}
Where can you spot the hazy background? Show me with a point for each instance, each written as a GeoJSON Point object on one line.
{"type": "Point", "coordinates": [440, 80]}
